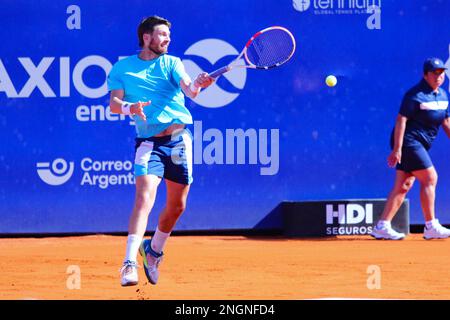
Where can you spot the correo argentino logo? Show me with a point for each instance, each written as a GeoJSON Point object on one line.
{"type": "Point", "coordinates": [56, 173]}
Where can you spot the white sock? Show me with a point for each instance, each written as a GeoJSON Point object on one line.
{"type": "Point", "coordinates": [431, 223]}
{"type": "Point", "coordinates": [159, 240]}
{"type": "Point", "coordinates": [133, 243]}
{"type": "Point", "coordinates": [383, 224]}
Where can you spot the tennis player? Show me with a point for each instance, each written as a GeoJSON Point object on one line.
{"type": "Point", "coordinates": [149, 87]}
{"type": "Point", "coordinates": [423, 110]}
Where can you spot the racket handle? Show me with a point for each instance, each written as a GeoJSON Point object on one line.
{"type": "Point", "coordinates": [218, 72]}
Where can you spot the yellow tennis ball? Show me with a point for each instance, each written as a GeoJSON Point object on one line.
{"type": "Point", "coordinates": [331, 81]}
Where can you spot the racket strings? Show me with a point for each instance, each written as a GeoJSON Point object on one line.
{"type": "Point", "coordinates": [271, 48]}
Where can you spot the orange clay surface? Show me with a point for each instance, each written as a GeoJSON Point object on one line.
{"type": "Point", "coordinates": [229, 267]}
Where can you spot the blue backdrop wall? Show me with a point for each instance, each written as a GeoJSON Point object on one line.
{"type": "Point", "coordinates": [65, 160]}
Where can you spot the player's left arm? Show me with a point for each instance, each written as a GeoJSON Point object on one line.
{"type": "Point", "coordinates": [446, 126]}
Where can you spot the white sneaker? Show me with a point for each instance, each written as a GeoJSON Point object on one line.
{"type": "Point", "coordinates": [386, 233]}
{"type": "Point", "coordinates": [437, 231]}
{"type": "Point", "coordinates": [129, 274]}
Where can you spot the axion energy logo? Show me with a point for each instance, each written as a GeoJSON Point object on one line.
{"type": "Point", "coordinates": [37, 80]}
{"type": "Point", "coordinates": [56, 173]}
{"type": "Point", "coordinates": [212, 52]}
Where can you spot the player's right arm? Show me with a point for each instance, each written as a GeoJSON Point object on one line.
{"type": "Point", "coordinates": [192, 88]}
{"type": "Point", "coordinates": [399, 132]}
{"type": "Point", "coordinates": [118, 105]}
{"type": "Point", "coordinates": [408, 109]}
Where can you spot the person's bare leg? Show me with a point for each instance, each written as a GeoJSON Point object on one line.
{"type": "Point", "coordinates": [175, 204]}
{"type": "Point", "coordinates": [403, 183]}
{"type": "Point", "coordinates": [428, 181]}
{"type": "Point", "coordinates": [146, 187]}
{"type": "Point", "coordinates": [153, 249]}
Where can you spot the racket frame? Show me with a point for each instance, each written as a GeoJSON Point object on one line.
{"type": "Point", "coordinates": [234, 64]}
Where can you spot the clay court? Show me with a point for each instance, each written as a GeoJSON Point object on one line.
{"type": "Point", "coordinates": [229, 267]}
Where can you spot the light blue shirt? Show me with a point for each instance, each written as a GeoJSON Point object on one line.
{"type": "Point", "coordinates": [157, 80]}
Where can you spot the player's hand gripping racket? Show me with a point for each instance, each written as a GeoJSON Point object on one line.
{"type": "Point", "coordinates": [267, 49]}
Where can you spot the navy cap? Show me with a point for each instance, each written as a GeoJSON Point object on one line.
{"type": "Point", "coordinates": [432, 64]}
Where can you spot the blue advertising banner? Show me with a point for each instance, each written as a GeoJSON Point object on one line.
{"type": "Point", "coordinates": [260, 137]}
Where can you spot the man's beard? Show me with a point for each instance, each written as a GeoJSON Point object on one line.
{"type": "Point", "coordinates": [156, 50]}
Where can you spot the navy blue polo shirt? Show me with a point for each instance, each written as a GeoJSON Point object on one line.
{"type": "Point", "coordinates": [425, 111]}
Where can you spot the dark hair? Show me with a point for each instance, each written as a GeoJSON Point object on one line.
{"type": "Point", "coordinates": [148, 24]}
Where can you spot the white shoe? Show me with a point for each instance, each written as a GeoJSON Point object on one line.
{"type": "Point", "coordinates": [129, 274]}
{"type": "Point", "coordinates": [437, 231]}
{"type": "Point", "coordinates": [386, 233]}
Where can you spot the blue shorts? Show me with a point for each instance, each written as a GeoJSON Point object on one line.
{"type": "Point", "coordinates": [168, 157]}
{"type": "Point", "coordinates": [414, 158]}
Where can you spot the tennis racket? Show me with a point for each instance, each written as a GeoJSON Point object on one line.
{"type": "Point", "coordinates": [267, 49]}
